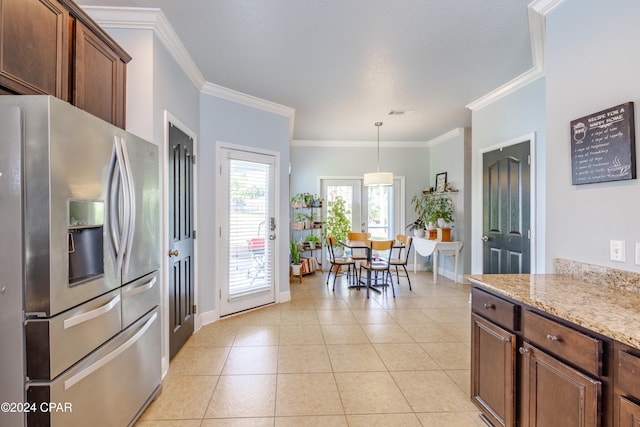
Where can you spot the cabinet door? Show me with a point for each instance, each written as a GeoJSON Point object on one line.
{"type": "Point", "coordinates": [493, 366]}
{"type": "Point", "coordinates": [555, 394]}
{"type": "Point", "coordinates": [34, 36]}
{"type": "Point", "coordinates": [99, 77]}
{"type": "Point", "coordinates": [629, 415]}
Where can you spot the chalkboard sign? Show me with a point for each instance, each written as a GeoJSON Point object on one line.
{"type": "Point", "coordinates": [603, 146]}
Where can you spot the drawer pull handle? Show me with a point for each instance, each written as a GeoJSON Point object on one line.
{"type": "Point", "coordinates": [523, 350]}
{"type": "Point", "coordinates": [489, 306]}
{"type": "Point", "coordinates": [553, 338]}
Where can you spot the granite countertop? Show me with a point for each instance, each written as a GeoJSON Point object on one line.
{"type": "Point", "coordinates": [612, 312]}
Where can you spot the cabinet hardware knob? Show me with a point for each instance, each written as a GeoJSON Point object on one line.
{"type": "Point", "coordinates": [489, 306]}
{"type": "Point", "coordinates": [523, 350]}
{"type": "Point", "coordinates": [173, 252]}
{"type": "Point", "coordinates": [553, 338]}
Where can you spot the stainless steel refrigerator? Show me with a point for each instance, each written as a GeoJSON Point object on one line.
{"type": "Point", "coordinates": [80, 340]}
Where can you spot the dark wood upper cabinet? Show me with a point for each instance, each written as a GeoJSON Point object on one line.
{"type": "Point", "coordinates": [52, 47]}
{"type": "Point", "coordinates": [34, 47]}
{"type": "Point", "coordinates": [98, 77]}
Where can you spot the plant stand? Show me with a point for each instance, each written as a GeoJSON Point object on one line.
{"type": "Point", "coordinates": [295, 270]}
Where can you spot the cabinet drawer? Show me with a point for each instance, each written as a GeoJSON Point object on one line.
{"type": "Point", "coordinates": [494, 308]}
{"type": "Point", "coordinates": [628, 379]}
{"type": "Point", "coordinates": [577, 348]}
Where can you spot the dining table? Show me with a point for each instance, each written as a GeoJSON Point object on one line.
{"type": "Point", "coordinates": [426, 247]}
{"type": "Point", "coordinates": [363, 244]}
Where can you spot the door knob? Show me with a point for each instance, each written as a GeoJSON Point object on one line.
{"type": "Point", "coordinates": [173, 252]}
{"type": "Point", "coordinates": [485, 238]}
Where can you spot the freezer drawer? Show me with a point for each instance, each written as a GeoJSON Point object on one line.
{"type": "Point", "coordinates": [109, 388]}
{"type": "Point", "coordinates": [139, 297]}
{"type": "Point", "coordinates": [55, 344]}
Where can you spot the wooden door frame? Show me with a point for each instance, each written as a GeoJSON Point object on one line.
{"type": "Point", "coordinates": [164, 273]}
{"type": "Point", "coordinates": [477, 247]}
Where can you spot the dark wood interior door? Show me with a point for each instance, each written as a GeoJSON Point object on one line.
{"type": "Point", "coordinates": [181, 265]}
{"type": "Point", "coordinates": [507, 218]}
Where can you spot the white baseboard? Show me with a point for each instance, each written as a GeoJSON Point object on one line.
{"type": "Point", "coordinates": [284, 296]}
{"type": "Point", "coordinates": [206, 318]}
{"type": "Point", "coordinates": [164, 363]}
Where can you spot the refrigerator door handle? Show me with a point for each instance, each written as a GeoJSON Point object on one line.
{"type": "Point", "coordinates": [120, 230]}
{"type": "Point", "coordinates": [131, 208]}
{"type": "Point", "coordinates": [109, 357]}
{"type": "Point", "coordinates": [140, 289]}
{"type": "Point", "coordinates": [112, 212]}
{"type": "Point", "coordinates": [90, 315]}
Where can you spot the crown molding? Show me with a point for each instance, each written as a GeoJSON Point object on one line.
{"type": "Point", "coordinates": [537, 12]}
{"type": "Point", "coordinates": [357, 144]}
{"type": "Point", "coordinates": [544, 7]}
{"type": "Point", "coordinates": [249, 100]}
{"type": "Point", "coordinates": [149, 19]}
{"type": "Point", "coordinates": [445, 137]}
{"type": "Point", "coordinates": [153, 19]}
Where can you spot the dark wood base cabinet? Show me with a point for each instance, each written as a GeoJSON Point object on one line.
{"type": "Point", "coordinates": [493, 380]}
{"type": "Point", "coordinates": [555, 394]}
{"type": "Point", "coordinates": [532, 369]}
{"type": "Point", "coordinates": [51, 47]}
{"type": "Point", "coordinates": [627, 386]}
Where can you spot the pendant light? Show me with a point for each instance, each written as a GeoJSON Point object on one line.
{"type": "Point", "coordinates": [378, 179]}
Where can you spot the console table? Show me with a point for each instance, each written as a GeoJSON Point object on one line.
{"type": "Point", "coordinates": [426, 247]}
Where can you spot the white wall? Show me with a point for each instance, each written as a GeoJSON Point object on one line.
{"type": "Point", "coordinates": [229, 122]}
{"type": "Point", "coordinates": [592, 63]}
{"type": "Point", "coordinates": [509, 120]}
{"type": "Point", "coordinates": [310, 162]}
{"type": "Point", "coordinates": [449, 156]}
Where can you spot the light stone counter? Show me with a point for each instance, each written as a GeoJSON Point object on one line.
{"type": "Point", "coordinates": [611, 311]}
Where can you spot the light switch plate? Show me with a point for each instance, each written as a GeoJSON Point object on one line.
{"type": "Point", "coordinates": [617, 250]}
{"type": "Point", "coordinates": [637, 253]}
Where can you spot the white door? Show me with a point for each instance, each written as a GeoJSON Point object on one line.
{"type": "Point", "coordinates": [377, 210]}
{"type": "Point", "coordinates": [351, 192]}
{"type": "Point", "coordinates": [247, 229]}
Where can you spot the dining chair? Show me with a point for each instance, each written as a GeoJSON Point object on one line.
{"type": "Point", "coordinates": [338, 263]}
{"type": "Point", "coordinates": [379, 264]}
{"type": "Point", "coordinates": [358, 255]}
{"type": "Point", "coordinates": [402, 261]}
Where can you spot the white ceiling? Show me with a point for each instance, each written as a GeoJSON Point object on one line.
{"type": "Point", "coordinates": [344, 64]}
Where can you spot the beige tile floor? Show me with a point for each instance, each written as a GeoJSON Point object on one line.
{"type": "Point", "coordinates": [329, 359]}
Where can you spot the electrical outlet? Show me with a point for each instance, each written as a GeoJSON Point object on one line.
{"type": "Point", "coordinates": [637, 253]}
{"type": "Point", "coordinates": [617, 250]}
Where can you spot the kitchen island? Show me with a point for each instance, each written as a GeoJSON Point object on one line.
{"type": "Point", "coordinates": [555, 350]}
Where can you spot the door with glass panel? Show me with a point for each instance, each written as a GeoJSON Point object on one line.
{"type": "Point", "coordinates": [350, 191]}
{"type": "Point", "coordinates": [373, 209]}
{"type": "Point", "coordinates": [247, 230]}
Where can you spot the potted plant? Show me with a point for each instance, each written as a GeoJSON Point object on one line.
{"type": "Point", "coordinates": [422, 204]}
{"type": "Point", "coordinates": [313, 240]}
{"type": "Point", "coordinates": [443, 210]}
{"type": "Point", "coordinates": [298, 221]}
{"type": "Point", "coordinates": [296, 264]}
{"type": "Point", "coordinates": [316, 201]}
{"type": "Point", "coordinates": [297, 201]}
{"type": "Point", "coordinates": [338, 223]}
{"type": "Point", "coordinates": [417, 227]}
{"type": "Point", "coordinates": [442, 214]}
